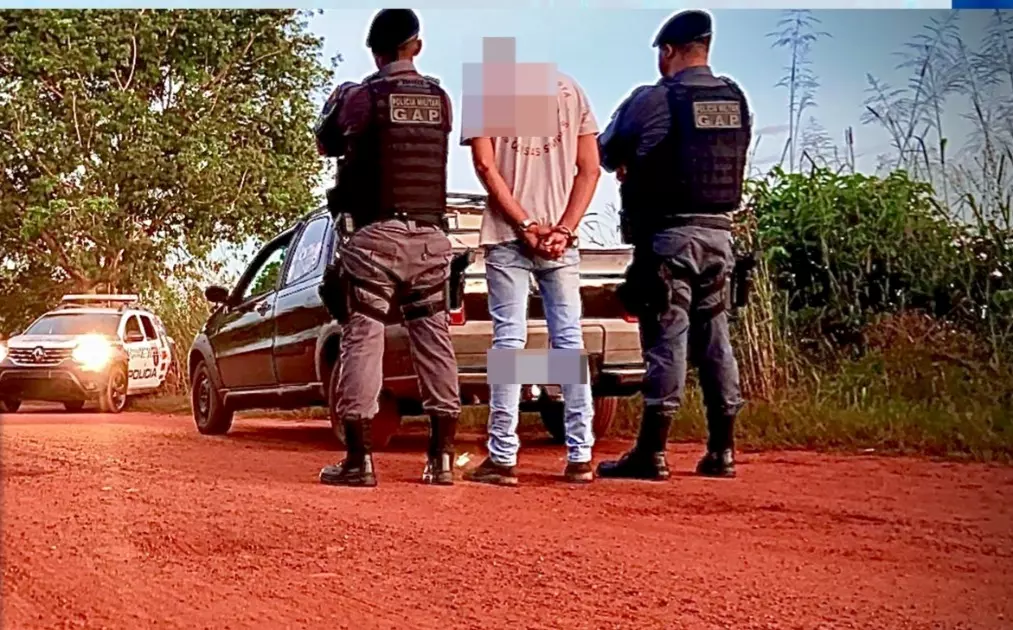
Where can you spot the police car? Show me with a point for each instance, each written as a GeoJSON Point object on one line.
{"type": "Point", "coordinates": [91, 348]}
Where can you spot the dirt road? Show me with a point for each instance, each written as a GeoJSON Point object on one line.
{"type": "Point", "coordinates": [136, 521]}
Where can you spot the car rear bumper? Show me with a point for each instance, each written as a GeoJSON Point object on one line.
{"type": "Point", "coordinates": [612, 345]}
{"type": "Point", "coordinates": [50, 383]}
{"type": "Point", "coordinates": [610, 380]}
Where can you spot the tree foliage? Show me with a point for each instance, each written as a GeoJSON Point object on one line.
{"type": "Point", "coordinates": [131, 141]}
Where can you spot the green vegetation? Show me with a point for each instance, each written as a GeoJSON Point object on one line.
{"type": "Point", "coordinates": [136, 142]}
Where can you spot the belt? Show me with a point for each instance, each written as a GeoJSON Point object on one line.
{"type": "Point", "coordinates": [413, 221]}
{"type": "Point", "coordinates": [714, 223]}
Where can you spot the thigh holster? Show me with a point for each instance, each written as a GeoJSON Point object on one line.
{"type": "Point", "coordinates": [710, 297]}
{"type": "Point", "coordinates": [420, 303]}
{"type": "Point", "coordinates": [365, 296]}
{"type": "Point", "coordinates": [647, 289]}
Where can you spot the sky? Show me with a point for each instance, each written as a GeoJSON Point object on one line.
{"type": "Point", "coordinates": [608, 52]}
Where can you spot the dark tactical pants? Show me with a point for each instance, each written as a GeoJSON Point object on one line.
{"type": "Point", "coordinates": [700, 263]}
{"type": "Point", "coordinates": [396, 264]}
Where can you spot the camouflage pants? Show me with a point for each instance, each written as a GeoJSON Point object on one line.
{"type": "Point", "coordinates": [393, 264]}
{"type": "Point", "coordinates": [701, 261]}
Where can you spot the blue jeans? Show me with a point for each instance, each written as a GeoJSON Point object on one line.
{"type": "Point", "coordinates": [508, 271]}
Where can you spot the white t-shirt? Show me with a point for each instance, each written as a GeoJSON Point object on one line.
{"type": "Point", "coordinates": [540, 171]}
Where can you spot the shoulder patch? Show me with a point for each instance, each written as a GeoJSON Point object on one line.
{"type": "Point", "coordinates": [433, 80]}
{"type": "Point", "coordinates": [717, 115]}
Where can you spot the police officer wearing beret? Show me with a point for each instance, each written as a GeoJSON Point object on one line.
{"type": "Point", "coordinates": [390, 133]}
{"type": "Point", "coordinates": [679, 150]}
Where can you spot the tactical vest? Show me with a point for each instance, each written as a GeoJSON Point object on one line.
{"type": "Point", "coordinates": [398, 166]}
{"type": "Point", "coordinates": [699, 167]}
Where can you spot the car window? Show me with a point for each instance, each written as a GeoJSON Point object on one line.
{"type": "Point", "coordinates": [132, 327]}
{"type": "Point", "coordinates": [75, 324]}
{"type": "Point", "coordinates": [305, 259]}
{"type": "Point", "coordinates": [266, 277]}
{"type": "Point", "coordinates": [149, 328]}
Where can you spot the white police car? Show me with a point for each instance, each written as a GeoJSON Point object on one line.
{"type": "Point", "coordinates": [92, 348]}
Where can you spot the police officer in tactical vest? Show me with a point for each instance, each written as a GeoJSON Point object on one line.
{"type": "Point", "coordinates": [391, 135]}
{"type": "Point", "coordinates": [679, 150]}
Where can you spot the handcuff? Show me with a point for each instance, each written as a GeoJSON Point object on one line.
{"type": "Point", "coordinates": [572, 239]}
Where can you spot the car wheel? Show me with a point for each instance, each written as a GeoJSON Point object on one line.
{"type": "Point", "coordinates": [209, 411]}
{"type": "Point", "coordinates": [10, 405]}
{"type": "Point", "coordinates": [385, 424]}
{"type": "Point", "coordinates": [74, 406]}
{"type": "Point", "coordinates": [114, 397]}
{"type": "Point", "coordinates": [605, 408]}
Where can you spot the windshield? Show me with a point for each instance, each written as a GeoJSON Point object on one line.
{"type": "Point", "coordinates": [76, 324]}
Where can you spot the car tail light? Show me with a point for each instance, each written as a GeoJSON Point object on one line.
{"type": "Point", "coordinates": [631, 319]}
{"type": "Point", "coordinates": [457, 317]}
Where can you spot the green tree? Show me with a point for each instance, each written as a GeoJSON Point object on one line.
{"type": "Point", "coordinates": [132, 139]}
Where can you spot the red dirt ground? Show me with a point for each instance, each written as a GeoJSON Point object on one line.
{"type": "Point", "coordinates": [136, 521]}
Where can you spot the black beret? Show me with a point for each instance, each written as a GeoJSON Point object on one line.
{"type": "Point", "coordinates": [684, 27]}
{"type": "Point", "coordinates": [391, 28]}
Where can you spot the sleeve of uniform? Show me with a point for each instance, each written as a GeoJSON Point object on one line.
{"type": "Point", "coordinates": [353, 117]}
{"type": "Point", "coordinates": [635, 122]}
{"type": "Point", "coordinates": [610, 140]}
{"type": "Point", "coordinates": [329, 139]}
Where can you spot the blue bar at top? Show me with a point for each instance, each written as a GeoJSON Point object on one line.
{"type": "Point", "coordinates": [982, 4]}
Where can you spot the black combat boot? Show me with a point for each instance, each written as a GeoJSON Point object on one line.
{"type": "Point", "coordinates": [440, 456]}
{"type": "Point", "coordinates": [720, 458]}
{"type": "Point", "coordinates": [357, 468]}
{"type": "Point", "coordinates": [646, 460]}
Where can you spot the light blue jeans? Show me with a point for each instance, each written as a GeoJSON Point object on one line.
{"type": "Point", "coordinates": [508, 273]}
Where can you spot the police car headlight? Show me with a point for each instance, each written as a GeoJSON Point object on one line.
{"type": "Point", "coordinates": [92, 352]}
{"type": "Point", "coordinates": [3, 351]}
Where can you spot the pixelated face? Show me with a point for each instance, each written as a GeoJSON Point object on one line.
{"type": "Point", "coordinates": [504, 98]}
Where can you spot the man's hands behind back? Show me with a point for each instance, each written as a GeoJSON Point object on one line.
{"type": "Point", "coordinates": [545, 241]}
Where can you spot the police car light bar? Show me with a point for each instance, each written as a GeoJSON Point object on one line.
{"type": "Point", "coordinates": [98, 298]}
